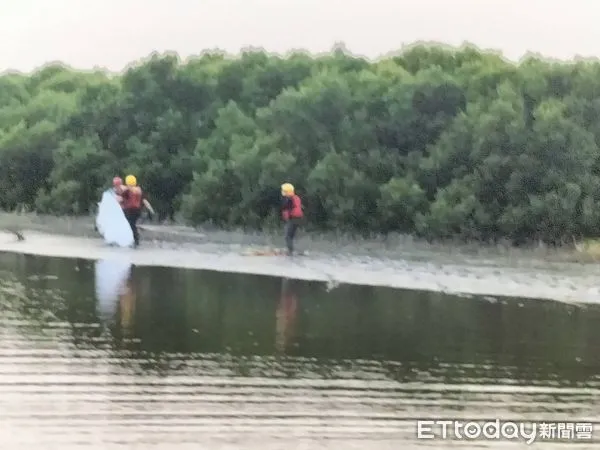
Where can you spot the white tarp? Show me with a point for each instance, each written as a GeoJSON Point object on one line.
{"type": "Point", "coordinates": [111, 280]}
{"type": "Point", "coordinates": [111, 222]}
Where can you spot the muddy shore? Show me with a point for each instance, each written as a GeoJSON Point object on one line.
{"type": "Point", "coordinates": [399, 262]}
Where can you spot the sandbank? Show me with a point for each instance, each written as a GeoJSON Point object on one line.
{"type": "Point", "coordinates": [569, 282]}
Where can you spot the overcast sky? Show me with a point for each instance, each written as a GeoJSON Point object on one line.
{"type": "Point", "coordinates": [113, 33]}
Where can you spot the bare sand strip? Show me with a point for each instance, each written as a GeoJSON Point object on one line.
{"type": "Point", "coordinates": [576, 283]}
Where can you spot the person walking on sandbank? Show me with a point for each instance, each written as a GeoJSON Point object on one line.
{"type": "Point", "coordinates": [292, 214]}
{"type": "Point", "coordinates": [133, 202]}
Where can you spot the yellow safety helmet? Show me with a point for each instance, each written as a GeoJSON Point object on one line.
{"type": "Point", "coordinates": [287, 189]}
{"type": "Point", "coordinates": [130, 180]}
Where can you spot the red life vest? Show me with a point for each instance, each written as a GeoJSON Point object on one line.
{"type": "Point", "coordinates": [133, 198]}
{"type": "Point", "coordinates": [295, 212]}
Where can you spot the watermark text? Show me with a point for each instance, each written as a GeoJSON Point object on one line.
{"type": "Point", "coordinates": [528, 432]}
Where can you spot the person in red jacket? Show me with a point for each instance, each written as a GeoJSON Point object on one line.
{"type": "Point", "coordinates": [292, 214]}
{"type": "Point", "coordinates": [118, 189]}
{"type": "Point", "coordinates": [117, 183]}
{"type": "Point", "coordinates": [133, 202]}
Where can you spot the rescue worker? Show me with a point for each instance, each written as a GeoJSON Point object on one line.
{"type": "Point", "coordinates": [133, 202]}
{"type": "Point", "coordinates": [292, 214]}
{"type": "Point", "coordinates": [118, 188]}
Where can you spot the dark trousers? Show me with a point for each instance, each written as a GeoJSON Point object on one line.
{"type": "Point", "coordinates": [291, 226]}
{"type": "Point", "coordinates": [132, 216]}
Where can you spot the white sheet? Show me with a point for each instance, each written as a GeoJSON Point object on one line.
{"type": "Point", "coordinates": [111, 222]}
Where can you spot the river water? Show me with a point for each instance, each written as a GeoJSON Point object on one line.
{"type": "Point", "coordinates": [101, 355]}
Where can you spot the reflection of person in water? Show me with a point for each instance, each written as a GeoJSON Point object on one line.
{"type": "Point", "coordinates": [115, 291]}
{"type": "Point", "coordinates": [286, 314]}
{"type": "Point", "coordinates": [127, 298]}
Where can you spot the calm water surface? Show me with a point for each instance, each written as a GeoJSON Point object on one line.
{"type": "Point", "coordinates": [101, 355]}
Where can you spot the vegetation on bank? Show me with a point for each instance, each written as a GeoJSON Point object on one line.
{"type": "Point", "coordinates": [434, 142]}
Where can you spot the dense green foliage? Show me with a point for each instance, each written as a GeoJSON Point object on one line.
{"type": "Point", "coordinates": [434, 142]}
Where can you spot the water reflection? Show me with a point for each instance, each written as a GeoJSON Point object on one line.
{"type": "Point", "coordinates": [115, 292]}
{"type": "Point", "coordinates": [286, 314]}
{"type": "Point", "coordinates": [109, 355]}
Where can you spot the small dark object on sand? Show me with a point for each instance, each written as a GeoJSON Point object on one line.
{"type": "Point", "coordinates": [17, 233]}
{"type": "Point", "coordinates": [14, 224]}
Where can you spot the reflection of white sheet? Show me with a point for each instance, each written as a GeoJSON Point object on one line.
{"type": "Point", "coordinates": [111, 279]}
{"type": "Point", "coordinates": [111, 222]}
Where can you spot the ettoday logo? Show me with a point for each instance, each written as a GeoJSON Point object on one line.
{"type": "Point", "coordinates": [502, 430]}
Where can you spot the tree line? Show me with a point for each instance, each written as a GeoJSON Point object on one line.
{"type": "Point", "coordinates": [435, 142]}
